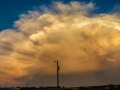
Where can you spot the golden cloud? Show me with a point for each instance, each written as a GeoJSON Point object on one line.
{"type": "Point", "coordinates": [81, 41]}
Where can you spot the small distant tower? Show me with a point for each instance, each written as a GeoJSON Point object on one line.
{"type": "Point", "coordinates": [27, 84]}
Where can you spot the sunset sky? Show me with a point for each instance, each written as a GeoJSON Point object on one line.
{"type": "Point", "coordinates": [84, 35]}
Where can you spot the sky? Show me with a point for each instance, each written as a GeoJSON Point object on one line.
{"type": "Point", "coordinates": [84, 35]}
{"type": "Point", "coordinates": [10, 10]}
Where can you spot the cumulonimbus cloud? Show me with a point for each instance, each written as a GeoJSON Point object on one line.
{"type": "Point", "coordinates": [82, 42]}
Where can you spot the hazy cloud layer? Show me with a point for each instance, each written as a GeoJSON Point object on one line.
{"type": "Point", "coordinates": [86, 45]}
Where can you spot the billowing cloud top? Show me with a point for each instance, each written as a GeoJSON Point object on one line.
{"type": "Point", "coordinates": [86, 45]}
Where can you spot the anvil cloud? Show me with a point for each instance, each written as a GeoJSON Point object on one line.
{"type": "Point", "coordinates": [86, 45]}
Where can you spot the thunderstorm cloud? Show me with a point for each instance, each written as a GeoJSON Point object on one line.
{"type": "Point", "coordinates": [86, 44]}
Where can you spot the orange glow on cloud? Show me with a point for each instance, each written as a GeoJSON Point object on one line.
{"type": "Point", "coordinates": [79, 41]}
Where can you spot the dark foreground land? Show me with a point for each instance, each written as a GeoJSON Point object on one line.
{"type": "Point", "coordinates": [105, 87]}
